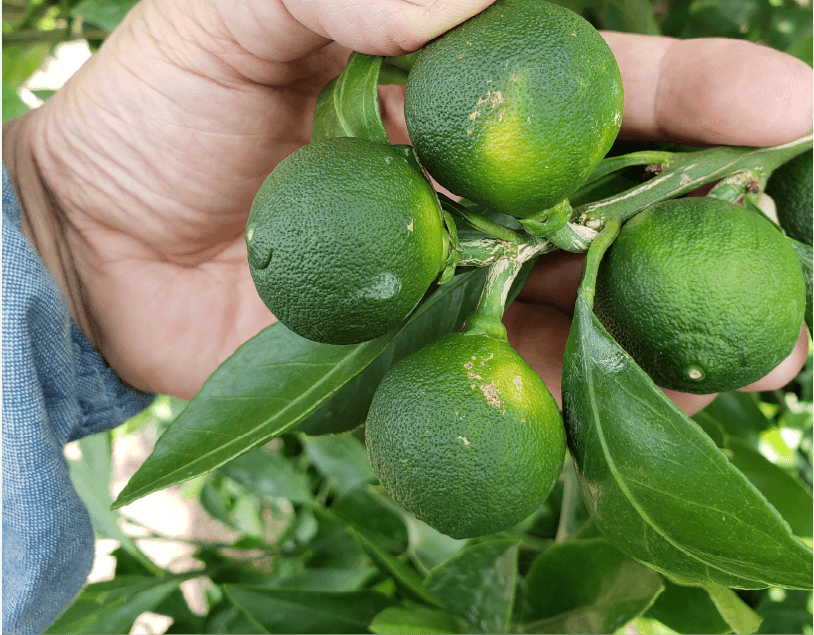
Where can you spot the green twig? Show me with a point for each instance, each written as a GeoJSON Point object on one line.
{"type": "Point", "coordinates": [688, 171]}
{"type": "Point", "coordinates": [480, 252]}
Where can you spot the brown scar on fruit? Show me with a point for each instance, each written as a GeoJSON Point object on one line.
{"type": "Point", "coordinates": [468, 365]}
{"type": "Point", "coordinates": [464, 440]}
{"type": "Point", "coordinates": [518, 382]}
{"type": "Point", "coordinates": [473, 376]}
{"type": "Point", "coordinates": [490, 392]}
{"type": "Point", "coordinates": [753, 187]}
{"type": "Point", "coordinates": [493, 97]}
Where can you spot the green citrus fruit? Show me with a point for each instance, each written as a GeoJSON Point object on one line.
{"type": "Point", "coordinates": [515, 107]}
{"type": "Point", "coordinates": [791, 187]}
{"type": "Point", "coordinates": [465, 435]}
{"type": "Point", "coordinates": [705, 295]}
{"type": "Point", "coordinates": [344, 238]}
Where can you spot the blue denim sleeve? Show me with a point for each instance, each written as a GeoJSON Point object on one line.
{"type": "Point", "coordinates": [56, 388]}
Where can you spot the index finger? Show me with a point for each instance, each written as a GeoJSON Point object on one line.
{"type": "Point", "coordinates": [711, 91]}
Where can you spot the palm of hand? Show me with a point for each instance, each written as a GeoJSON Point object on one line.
{"type": "Point", "coordinates": [164, 271]}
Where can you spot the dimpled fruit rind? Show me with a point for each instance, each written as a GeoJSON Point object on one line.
{"type": "Point", "coordinates": [515, 107]}
{"type": "Point", "coordinates": [344, 238]}
{"type": "Point", "coordinates": [792, 188]}
{"type": "Point", "coordinates": [705, 295]}
{"type": "Point", "coordinates": [466, 436]}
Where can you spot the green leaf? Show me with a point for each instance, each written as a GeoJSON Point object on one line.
{"type": "Point", "coordinates": [233, 620]}
{"type": "Point", "coordinates": [656, 485]}
{"type": "Point", "coordinates": [91, 476]}
{"type": "Point", "coordinates": [326, 579]}
{"type": "Point", "coordinates": [269, 475]}
{"type": "Point", "coordinates": [213, 500]}
{"type": "Point", "coordinates": [737, 415]}
{"type": "Point", "coordinates": [404, 62]}
{"type": "Point", "coordinates": [20, 62]}
{"type": "Point", "coordinates": [688, 609]}
{"type": "Point", "coordinates": [392, 75]}
{"type": "Point", "coordinates": [106, 14]}
{"type": "Point", "coordinates": [13, 106]}
{"type": "Point", "coordinates": [408, 581]}
{"type": "Point", "coordinates": [246, 402]}
{"type": "Point", "coordinates": [785, 493]}
{"type": "Point", "coordinates": [44, 94]}
{"type": "Point", "coordinates": [249, 399]}
{"type": "Point", "coordinates": [478, 584]}
{"type": "Point", "coordinates": [735, 611]}
{"type": "Point", "coordinates": [804, 254]}
{"type": "Point", "coordinates": [349, 105]}
{"type": "Point", "coordinates": [367, 511]}
{"type": "Point", "coordinates": [306, 611]}
{"type": "Point", "coordinates": [587, 586]}
{"type": "Point", "coordinates": [443, 312]}
{"type": "Point", "coordinates": [414, 620]}
{"type": "Point", "coordinates": [112, 607]}
{"type": "Point", "coordinates": [340, 457]}
{"type": "Point", "coordinates": [428, 546]}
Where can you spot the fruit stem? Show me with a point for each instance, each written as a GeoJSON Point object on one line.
{"type": "Point", "coordinates": [548, 221]}
{"type": "Point", "coordinates": [487, 318]}
{"type": "Point", "coordinates": [599, 245]}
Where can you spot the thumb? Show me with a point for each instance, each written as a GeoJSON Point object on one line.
{"type": "Point", "coordinates": [384, 27]}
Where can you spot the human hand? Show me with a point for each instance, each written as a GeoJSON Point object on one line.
{"type": "Point", "coordinates": [156, 148]}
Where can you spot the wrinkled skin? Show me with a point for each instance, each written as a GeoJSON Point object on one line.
{"type": "Point", "coordinates": [154, 150]}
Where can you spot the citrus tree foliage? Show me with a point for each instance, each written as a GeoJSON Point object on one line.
{"type": "Point", "coordinates": [629, 535]}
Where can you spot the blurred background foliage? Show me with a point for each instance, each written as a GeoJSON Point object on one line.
{"type": "Point", "coordinates": [300, 507]}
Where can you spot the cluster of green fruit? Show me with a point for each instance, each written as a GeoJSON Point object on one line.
{"type": "Point", "coordinates": [512, 110]}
